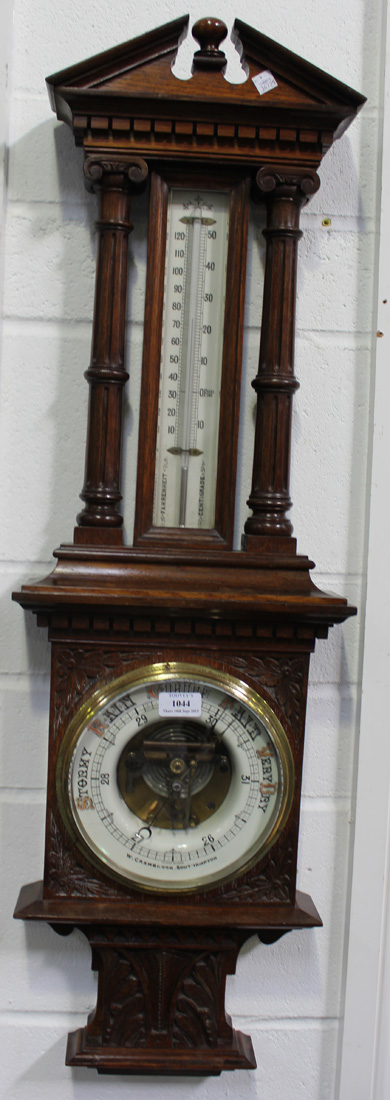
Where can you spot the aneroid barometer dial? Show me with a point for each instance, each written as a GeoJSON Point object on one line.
{"type": "Point", "coordinates": [175, 777]}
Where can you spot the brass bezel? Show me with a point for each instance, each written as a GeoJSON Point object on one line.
{"type": "Point", "coordinates": [159, 672]}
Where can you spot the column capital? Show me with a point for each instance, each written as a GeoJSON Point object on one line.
{"type": "Point", "coordinates": [288, 178]}
{"type": "Point", "coordinates": [125, 171]}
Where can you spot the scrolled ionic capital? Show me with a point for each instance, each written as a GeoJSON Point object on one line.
{"type": "Point", "coordinates": [285, 179]}
{"type": "Point", "coordinates": [128, 170]}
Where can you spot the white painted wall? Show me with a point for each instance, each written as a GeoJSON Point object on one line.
{"type": "Point", "coordinates": [290, 996]}
{"type": "Point", "coordinates": [365, 1070]}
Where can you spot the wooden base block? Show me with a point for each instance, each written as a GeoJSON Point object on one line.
{"type": "Point", "coordinates": [192, 1063]}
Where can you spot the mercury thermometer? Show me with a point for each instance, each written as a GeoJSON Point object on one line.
{"type": "Point", "coordinates": [191, 359]}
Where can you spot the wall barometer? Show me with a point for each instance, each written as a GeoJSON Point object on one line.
{"type": "Point", "coordinates": [180, 664]}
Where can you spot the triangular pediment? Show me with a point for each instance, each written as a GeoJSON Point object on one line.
{"type": "Point", "coordinates": [139, 79]}
{"type": "Point", "coordinates": [139, 65]}
{"type": "Point", "coordinates": [306, 80]}
{"type": "Point", "coordinates": [131, 89]}
{"type": "Point", "coordinates": [110, 67]}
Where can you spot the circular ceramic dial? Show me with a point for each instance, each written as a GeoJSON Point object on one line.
{"type": "Point", "coordinates": [175, 777]}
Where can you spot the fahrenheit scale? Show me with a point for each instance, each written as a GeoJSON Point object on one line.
{"type": "Point", "coordinates": [191, 359]}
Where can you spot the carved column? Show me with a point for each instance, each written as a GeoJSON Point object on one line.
{"type": "Point", "coordinates": [100, 520]}
{"type": "Point", "coordinates": [275, 383]}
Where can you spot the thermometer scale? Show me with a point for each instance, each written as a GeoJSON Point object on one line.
{"type": "Point", "coordinates": [191, 359]}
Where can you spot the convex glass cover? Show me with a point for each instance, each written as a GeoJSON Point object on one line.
{"type": "Point", "coordinates": [175, 777]}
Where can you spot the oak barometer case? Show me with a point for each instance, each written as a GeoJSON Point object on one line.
{"type": "Point", "coordinates": [180, 665]}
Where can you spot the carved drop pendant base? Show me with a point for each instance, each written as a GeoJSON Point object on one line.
{"type": "Point", "coordinates": [160, 1005]}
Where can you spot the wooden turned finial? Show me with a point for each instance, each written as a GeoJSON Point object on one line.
{"type": "Point", "coordinates": [209, 33]}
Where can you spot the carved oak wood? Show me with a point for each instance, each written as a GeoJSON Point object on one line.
{"type": "Point", "coordinates": [275, 383]}
{"type": "Point", "coordinates": [107, 375]}
{"type": "Point", "coordinates": [162, 959]}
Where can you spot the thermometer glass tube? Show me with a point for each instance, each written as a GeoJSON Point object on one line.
{"type": "Point", "coordinates": [191, 359]}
